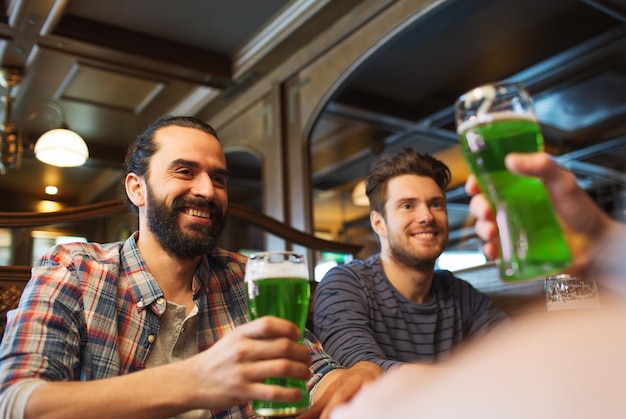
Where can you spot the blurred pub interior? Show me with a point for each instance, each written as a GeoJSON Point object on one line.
{"type": "Point", "coordinates": [305, 94]}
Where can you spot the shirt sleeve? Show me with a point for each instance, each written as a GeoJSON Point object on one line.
{"type": "Point", "coordinates": [342, 320]}
{"type": "Point", "coordinates": [13, 401]}
{"type": "Point", "coordinates": [41, 338]}
{"type": "Point", "coordinates": [322, 363]}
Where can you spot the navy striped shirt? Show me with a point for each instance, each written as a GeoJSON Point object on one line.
{"type": "Point", "coordinates": [359, 315]}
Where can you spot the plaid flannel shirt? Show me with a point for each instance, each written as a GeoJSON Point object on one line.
{"type": "Point", "coordinates": [89, 312]}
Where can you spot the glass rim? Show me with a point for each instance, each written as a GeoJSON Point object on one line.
{"type": "Point", "coordinates": [269, 253]}
{"type": "Point", "coordinates": [560, 276]}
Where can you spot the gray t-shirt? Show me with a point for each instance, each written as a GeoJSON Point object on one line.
{"type": "Point", "coordinates": [359, 315]}
{"type": "Point", "coordinates": [177, 340]}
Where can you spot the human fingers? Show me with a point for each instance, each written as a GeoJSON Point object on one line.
{"type": "Point", "coordinates": [339, 396]}
{"type": "Point", "coordinates": [229, 384]}
{"type": "Point", "coordinates": [234, 368]}
{"type": "Point", "coordinates": [485, 225]}
{"type": "Point", "coordinates": [344, 385]}
{"type": "Point", "coordinates": [270, 392]}
{"type": "Point", "coordinates": [272, 349]}
{"type": "Point", "coordinates": [480, 208]}
{"type": "Point", "coordinates": [486, 230]}
{"type": "Point", "coordinates": [261, 370]}
{"type": "Point", "coordinates": [336, 394]}
{"type": "Point", "coordinates": [270, 327]}
{"type": "Point", "coordinates": [490, 250]}
{"type": "Point", "coordinates": [561, 183]}
{"type": "Point", "coordinates": [471, 185]}
{"type": "Point", "coordinates": [569, 200]}
{"type": "Point", "coordinates": [531, 164]}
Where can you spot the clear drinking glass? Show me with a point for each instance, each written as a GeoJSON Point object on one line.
{"type": "Point", "coordinates": [566, 292]}
{"type": "Point", "coordinates": [492, 121]}
{"type": "Point", "coordinates": [278, 285]}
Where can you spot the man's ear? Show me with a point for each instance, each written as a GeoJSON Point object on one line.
{"type": "Point", "coordinates": [135, 189]}
{"type": "Point", "coordinates": [378, 223]}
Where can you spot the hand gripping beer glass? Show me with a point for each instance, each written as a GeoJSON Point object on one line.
{"type": "Point", "coordinates": [278, 285]}
{"type": "Point", "coordinates": [492, 121]}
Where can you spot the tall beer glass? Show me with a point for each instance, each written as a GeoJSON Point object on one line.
{"type": "Point", "coordinates": [278, 285]}
{"type": "Point", "coordinates": [492, 121]}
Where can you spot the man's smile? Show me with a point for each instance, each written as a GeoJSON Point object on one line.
{"type": "Point", "coordinates": [195, 212]}
{"type": "Point", "coordinates": [426, 235]}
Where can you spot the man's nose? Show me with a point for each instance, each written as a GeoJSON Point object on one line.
{"type": "Point", "coordinates": [423, 214]}
{"type": "Point", "coordinates": [203, 187]}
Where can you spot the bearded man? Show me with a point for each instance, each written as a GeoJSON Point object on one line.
{"type": "Point", "coordinates": [395, 307]}
{"type": "Point", "coordinates": [156, 326]}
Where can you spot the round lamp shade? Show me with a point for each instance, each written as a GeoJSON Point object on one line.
{"type": "Point", "coordinates": [61, 147]}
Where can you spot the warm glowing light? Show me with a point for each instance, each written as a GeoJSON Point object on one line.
{"type": "Point", "coordinates": [49, 206]}
{"type": "Point", "coordinates": [52, 190]}
{"type": "Point", "coordinates": [359, 198]}
{"type": "Point", "coordinates": [61, 147]}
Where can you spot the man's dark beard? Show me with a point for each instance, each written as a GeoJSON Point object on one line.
{"type": "Point", "coordinates": [164, 223]}
{"type": "Point", "coordinates": [409, 259]}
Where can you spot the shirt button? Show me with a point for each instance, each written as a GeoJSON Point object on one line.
{"type": "Point", "coordinates": [140, 304]}
{"type": "Point", "coordinates": [160, 300]}
{"type": "Point", "coordinates": [151, 338]}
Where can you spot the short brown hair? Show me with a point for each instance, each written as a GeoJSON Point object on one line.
{"type": "Point", "coordinates": [405, 162]}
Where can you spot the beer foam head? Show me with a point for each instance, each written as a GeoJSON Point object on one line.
{"type": "Point", "coordinates": [494, 117]}
{"type": "Point", "coordinates": [276, 265]}
{"type": "Point", "coordinates": [492, 102]}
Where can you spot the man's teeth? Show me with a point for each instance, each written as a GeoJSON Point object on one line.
{"type": "Point", "coordinates": [425, 235]}
{"type": "Point", "coordinates": [197, 213]}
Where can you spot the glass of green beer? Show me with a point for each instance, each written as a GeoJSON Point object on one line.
{"type": "Point", "coordinates": [492, 121]}
{"type": "Point", "coordinates": [278, 285]}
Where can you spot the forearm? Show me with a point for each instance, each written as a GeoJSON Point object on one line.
{"type": "Point", "coordinates": [354, 346]}
{"type": "Point", "coordinates": [152, 393]}
{"type": "Point", "coordinates": [339, 386]}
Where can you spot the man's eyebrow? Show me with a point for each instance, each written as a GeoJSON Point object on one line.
{"type": "Point", "coordinates": [183, 162]}
{"type": "Point", "coordinates": [220, 171]}
{"type": "Point", "coordinates": [195, 164]}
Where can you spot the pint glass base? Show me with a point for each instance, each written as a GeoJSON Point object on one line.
{"type": "Point", "coordinates": [275, 409]}
{"type": "Point", "coordinates": [278, 412]}
{"type": "Point", "coordinates": [530, 271]}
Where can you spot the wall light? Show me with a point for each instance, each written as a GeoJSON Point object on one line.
{"type": "Point", "coordinates": [10, 141]}
{"type": "Point", "coordinates": [359, 198]}
{"type": "Point", "coordinates": [61, 147]}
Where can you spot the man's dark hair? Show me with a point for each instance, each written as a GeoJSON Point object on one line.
{"type": "Point", "coordinates": [405, 162]}
{"type": "Point", "coordinates": [144, 146]}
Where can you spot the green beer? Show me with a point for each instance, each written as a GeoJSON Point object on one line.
{"type": "Point", "coordinates": [532, 243]}
{"type": "Point", "coordinates": [280, 289]}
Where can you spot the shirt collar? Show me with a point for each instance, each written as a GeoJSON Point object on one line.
{"type": "Point", "coordinates": [144, 287]}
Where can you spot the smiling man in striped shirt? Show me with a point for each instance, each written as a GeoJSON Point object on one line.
{"type": "Point", "coordinates": [395, 307]}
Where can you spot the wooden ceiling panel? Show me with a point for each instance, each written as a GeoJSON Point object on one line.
{"type": "Point", "coordinates": [106, 88]}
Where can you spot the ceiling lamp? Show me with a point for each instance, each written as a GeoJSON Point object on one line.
{"type": "Point", "coordinates": [61, 147]}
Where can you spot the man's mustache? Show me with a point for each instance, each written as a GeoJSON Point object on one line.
{"type": "Point", "coordinates": [211, 206]}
